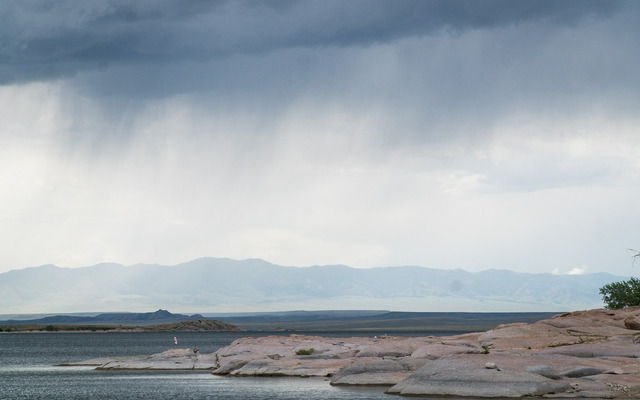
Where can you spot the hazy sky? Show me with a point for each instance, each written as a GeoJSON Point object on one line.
{"type": "Point", "coordinates": [446, 134]}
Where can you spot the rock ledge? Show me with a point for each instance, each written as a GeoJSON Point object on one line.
{"type": "Point", "coordinates": [583, 354]}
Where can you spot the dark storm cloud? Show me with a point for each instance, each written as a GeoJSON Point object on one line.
{"type": "Point", "coordinates": [41, 40]}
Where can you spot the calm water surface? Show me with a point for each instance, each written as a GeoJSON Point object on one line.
{"type": "Point", "coordinates": [28, 371]}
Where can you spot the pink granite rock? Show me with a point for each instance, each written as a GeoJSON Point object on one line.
{"type": "Point", "coordinates": [469, 377]}
{"type": "Point", "coordinates": [438, 350]}
{"type": "Point", "coordinates": [583, 354]}
{"type": "Point", "coordinates": [175, 359]}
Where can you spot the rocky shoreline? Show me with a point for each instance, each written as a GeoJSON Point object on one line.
{"type": "Point", "coordinates": [583, 354]}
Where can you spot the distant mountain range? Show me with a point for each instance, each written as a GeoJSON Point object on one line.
{"type": "Point", "coordinates": [225, 285]}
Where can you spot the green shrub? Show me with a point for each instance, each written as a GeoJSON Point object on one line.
{"type": "Point", "coordinates": [305, 352]}
{"type": "Point", "coordinates": [621, 294]}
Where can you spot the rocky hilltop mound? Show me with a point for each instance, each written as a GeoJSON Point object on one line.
{"type": "Point", "coordinates": [583, 354]}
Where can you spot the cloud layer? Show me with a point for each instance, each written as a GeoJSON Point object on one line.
{"type": "Point", "coordinates": [47, 39]}
{"type": "Point", "coordinates": [450, 134]}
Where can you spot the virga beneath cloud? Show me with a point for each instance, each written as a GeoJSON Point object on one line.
{"type": "Point", "coordinates": [438, 133]}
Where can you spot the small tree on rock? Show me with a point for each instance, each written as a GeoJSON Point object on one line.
{"type": "Point", "coordinates": [621, 294]}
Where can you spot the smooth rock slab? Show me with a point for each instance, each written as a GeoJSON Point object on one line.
{"type": "Point", "coordinates": [386, 372]}
{"type": "Point", "coordinates": [580, 372]}
{"type": "Point", "coordinates": [617, 346]}
{"type": "Point", "coordinates": [437, 350]}
{"type": "Point", "coordinates": [290, 367]}
{"type": "Point", "coordinates": [228, 366]}
{"type": "Point", "coordinates": [372, 379]}
{"type": "Point", "coordinates": [543, 370]}
{"type": "Point", "coordinates": [175, 359]}
{"type": "Point", "coordinates": [450, 377]}
{"type": "Point", "coordinates": [391, 347]}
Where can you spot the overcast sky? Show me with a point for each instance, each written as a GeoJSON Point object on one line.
{"type": "Point", "coordinates": [446, 134]}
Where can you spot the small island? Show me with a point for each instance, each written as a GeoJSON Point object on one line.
{"type": "Point", "coordinates": [157, 321]}
{"type": "Point", "coordinates": [582, 354]}
{"type": "Point", "coordinates": [198, 325]}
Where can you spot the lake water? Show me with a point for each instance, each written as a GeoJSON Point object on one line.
{"type": "Point", "coordinates": [28, 371]}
